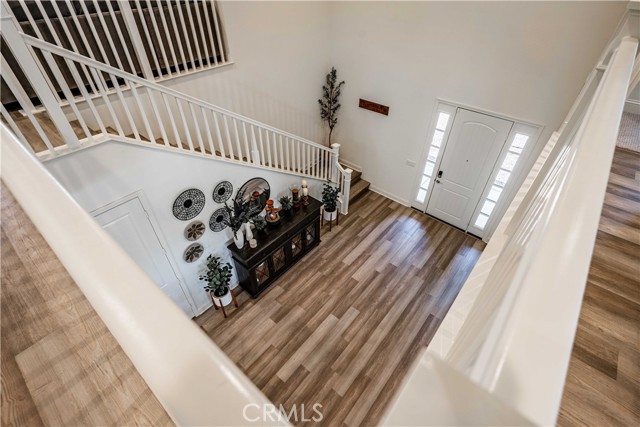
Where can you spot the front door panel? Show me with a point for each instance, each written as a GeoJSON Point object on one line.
{"type": "Point", "coordinates": [470, 155]}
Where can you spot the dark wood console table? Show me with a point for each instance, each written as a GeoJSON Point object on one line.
{"type": "Point", "coordinates": [281, 248]}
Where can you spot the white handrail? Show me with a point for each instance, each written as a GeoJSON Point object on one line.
{"type": "Point", "coordinates": [547, 303]}
{"type": "Point", "coordinates": [519, 318]}
{"type": "Point", "coordinates": [159, 88]}
{"type": "Point", "coordinates": [193, 379]}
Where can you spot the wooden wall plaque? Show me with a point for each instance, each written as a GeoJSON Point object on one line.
{"type": "Point", "coordinates": [372, 106]}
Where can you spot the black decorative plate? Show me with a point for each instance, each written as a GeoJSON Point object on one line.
{"type": "Point", "coordinates": [195, 230]}
{"type": "Point", "coordinates": [217, 221]}
{"type": "Point", "coordinates": [222, 192]}
{"type": "Point", "coordinates": [188, 204]}
{"type": "Point", "coordinates": [193, 252]}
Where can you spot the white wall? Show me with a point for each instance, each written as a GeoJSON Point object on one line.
{"type": "Point", "coordinates": [522, 59]}
{"type": "Point", "coordinates": [281, 55]}
{"type": "Point", "coordinates": [110, 171]}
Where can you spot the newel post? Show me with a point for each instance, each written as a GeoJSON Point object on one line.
{"type": "Point", "coordinates": [335, 156]}
{"type": "Point", "coordinates": [346, 191]}
{"type": "Point", "coordinates": [35, 74]}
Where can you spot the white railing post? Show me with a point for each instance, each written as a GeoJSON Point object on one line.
{"type": "Point", "coordinates": [346, 190]}
{"type": "Point", "coordinates": [44, 92]}
{"type": "Point", "coordinates": [136, 40]}
{"type": "Point", "coordinates": [335, 156]}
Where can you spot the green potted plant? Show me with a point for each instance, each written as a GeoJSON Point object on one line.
{"type": "Point", "coordinates": [217, 276]}
{"type": "Point", "coordinates": [261, 224]}
{"type": "Point", "coordinates": [286, 203]}
{"type": "Point", "coordinates": [330, 195]}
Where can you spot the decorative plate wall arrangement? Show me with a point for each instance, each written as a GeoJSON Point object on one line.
{"type": "Point", "coordinates": [188, 204]}
{"type": "Point", "coordinates": [194, 231]}
{"type": "Point", "coordinates": [219, 219]}
{"type": "Point", "coordinates": [193, 252]}
{"type": "Point", "coordinates": [222, 191]}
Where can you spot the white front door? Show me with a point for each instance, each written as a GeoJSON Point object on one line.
{"type": "Point", "coordinates": [471, 152]}
{"type": "Point", "coordinates": [130, 226]}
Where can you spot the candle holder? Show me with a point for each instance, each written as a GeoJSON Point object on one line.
{"type": "Point", "coordinates": [295, 196]}
{"type": "Point", "coordinates": [305, 202]}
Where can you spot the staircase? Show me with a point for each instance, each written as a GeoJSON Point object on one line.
{"type": "Point", "coordinates": [359, 187]}
{"type": "Point", "coordinates": [109, 104]}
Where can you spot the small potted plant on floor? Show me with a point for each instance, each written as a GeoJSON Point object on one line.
{"type": "Point", "coordinates": [330, 200]}
{"type": "Point", "coordinates": [286, 204]}
{"type": "Point", "coordinates": [218, 276]}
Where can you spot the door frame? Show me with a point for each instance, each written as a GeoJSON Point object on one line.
{"type": "Point", "coordinates": [528, 156]}
{"type": "Point", "coordinates": [144, 202]}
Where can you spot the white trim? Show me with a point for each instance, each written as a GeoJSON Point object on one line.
{"type": "Point", "coordinates": [394, 197]}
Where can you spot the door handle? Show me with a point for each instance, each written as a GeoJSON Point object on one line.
{"type": "Point", "coordinates": [439, 174]}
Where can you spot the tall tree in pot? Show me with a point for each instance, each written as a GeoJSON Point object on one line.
{"type": "Point", "coordinates": [218, 276]}
{"type": "Point", "coordinates": [330, 103]}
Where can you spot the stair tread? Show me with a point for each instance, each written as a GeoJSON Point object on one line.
{"type": "Point", "coordinates": [358, 189]}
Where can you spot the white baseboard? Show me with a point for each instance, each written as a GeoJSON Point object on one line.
{"type": "Point", "coordinates": [351, 165]}
{"type": "Point", "coordinates": [388, 195]}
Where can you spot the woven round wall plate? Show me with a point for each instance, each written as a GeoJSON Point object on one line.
{"type": "Point", "coordinates": [217, 220]}
{"type": "Point", "coordinates": [193, 252]}
{"type": "Point", "coordinates": [222, 191]}
{"type": "Point", "coordinates": [188, 204]}
{"type": "Point", "coordinates": [194, 231]}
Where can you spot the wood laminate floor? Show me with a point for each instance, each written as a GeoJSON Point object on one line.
{"type": "Point", "coordinates": [342, 327]}
{"type": "Point", "coordinates": [603, 383]}
{"type": "Point", "coordinates": [60, 364]}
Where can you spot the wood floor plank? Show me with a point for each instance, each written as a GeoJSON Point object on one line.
{"type": "Point", "coordinates": [350, 318]}
{"type": "Point", "coordinates": [60, 364]}
{"type": "Point", "coordinates": [603, 383]}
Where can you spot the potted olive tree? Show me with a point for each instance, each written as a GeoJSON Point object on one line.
{"type": "Point", "coordinates": [330, 200]}
{"type": "Point", "coordinates": [218, 276]}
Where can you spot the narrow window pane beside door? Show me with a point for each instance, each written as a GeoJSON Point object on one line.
{"type": "Point", "coordinates": [279, 259]}
{"type": "Point", "coordinates": [262, 272]}
{"type": "Point", "coordinates": [518, 143]}
{"type": "Point", "coordinates": [433, 154]}
{"type": "Point", "coordinates": [487, 208]}
{"type": "Point", "coordinates": [481, 221]}
{"type": "Point", "coordinates": [502, 178]}
{"type": "Point", "coordinates": [428, 169]}
{"type": "Point", "coordinates": [422, 194]}
{"type": "Point", "coordinates": [443, 119]}
{"type": "Point", "coordinates": [494, 193]}
{"type": "Point", "coordinates": [510, 161]}
{"type": "Point", "coordinates": [437, 138]}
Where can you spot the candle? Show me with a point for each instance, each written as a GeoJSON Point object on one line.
{"type": "Point", "coordinates": [305, 191]}
{"type": "Point", "coordinates": [304, 183]}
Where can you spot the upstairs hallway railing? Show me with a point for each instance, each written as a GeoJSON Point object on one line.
{"type": "Point", "coordinates": [504, 357]}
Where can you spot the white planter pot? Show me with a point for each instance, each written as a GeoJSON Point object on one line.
{"type": "Point", "coordinates": [224, 300]}
{"type": "Point", "coordinates": [238, 239]}
{"type": "Point", "coordinates": [330, 216]}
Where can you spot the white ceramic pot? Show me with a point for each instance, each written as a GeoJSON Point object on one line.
{"type": "Point", "coordinates": [224, 300]}
{"type": "Point", "coordinates": [238, 239]}
{"type": "Point", "coordinates": [330, 216]}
